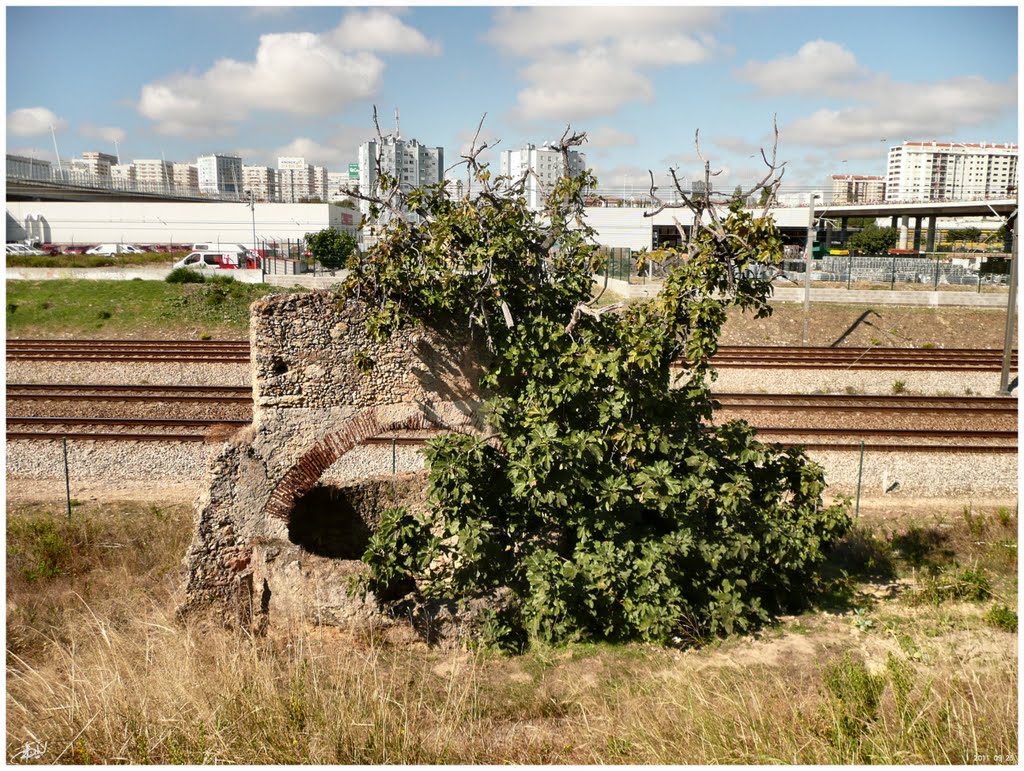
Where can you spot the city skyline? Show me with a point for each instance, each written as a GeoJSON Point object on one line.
{"type": "Point", "coordinates": [261, 83]}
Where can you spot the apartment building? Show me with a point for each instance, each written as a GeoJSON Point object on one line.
{"type": "Point", "coordinates": [413, 164]}
{"type": "Point", "coordinates": [123, 173]}
{"type": "Point", "coordinates": [541, 165]}
{"type": "Point", "coordinates": [261, 181]}
{"type": "Point", "coordinates": [98, 164]}
{"type": "Point", "coordinates": [857, 188]}
{"type": "Point", "coordinates": [220, 175]}
{"type": "Point", "coordinates": [295, 179]}
{"type": "Point", "coordinates": [319, 184]}
{"type": "Point", "coordinates": [185, 177]}
{"type": "Point", "coordinates": [153, 174]}
{"type": "Point", "coordinates": [951, 171]}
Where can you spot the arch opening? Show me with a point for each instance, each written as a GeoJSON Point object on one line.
{"type": "Point", "coordinates": [327, 522]}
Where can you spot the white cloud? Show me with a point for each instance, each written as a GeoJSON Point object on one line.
{"type": "Point", "coordinates": [898, 111]}
{"type": "Point", "coordinates": [606, 136]}
{"type": "Point", "coordinates": [296, 73]}
{"type": "Point", "coordinates": [590, 61]}
{"type": "Point", "coordinates": [378, 30]}
{"type": "Point", "coordinates": [817, 66]}
{"type": "Point", "coordinates": [33, 121]}
{"type": "Point", "coordinates": [878, 107]}
{"type": "Point", "coordinates": [529, 31]}
{"type": "Point", "coordinates": [109, 134]}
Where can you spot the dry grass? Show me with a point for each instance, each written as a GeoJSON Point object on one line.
{"type": "Point", "coordinates": [99, 670]}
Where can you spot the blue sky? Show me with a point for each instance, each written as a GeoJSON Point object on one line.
{"type": "Point", "coordinates": [845, 82]}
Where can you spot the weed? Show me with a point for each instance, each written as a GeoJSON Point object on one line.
{"type": "Point", "coordinates": [12, 307]}
{"type": "Point", "coordinates": [39, 548]}
{"type": "Point", "coordinates": [927, 346]}
{"type": "Point", "coordinates": [104, 315]}
{"type": "Point", "coordinates": [1001, 617]}
{"type": "Point", "coordinates": [899, 387]}
{"type": "Point", "coordinates": [1004, 517]}
{"type": "Point", "coordinates": [205, 336]}
{"type": "Point", "coordinates": [856, 694]}
{"type": "Point", "coordinates": [853, 390]}
{"type": "Point", "coordinates": [46, 305]}
{"type": "Point", "coordinates": [863, 555]}
{"type": "Point", "coordinates": [975, 522]}
{"type": "Point", "coordinates": [954, 583]}
{"type": "Point", "coordinates": [968, 391]}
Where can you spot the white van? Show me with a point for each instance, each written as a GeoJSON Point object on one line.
{"type": "Point", "coordinates": [212, 247]}
{"type": "Point", "coordinates": [218, 261]}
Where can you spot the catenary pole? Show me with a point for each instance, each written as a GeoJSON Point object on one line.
{"type": "Point", "coordinates": [1011, 307]}
{"type": "Point", "coordinates": [807, 270]}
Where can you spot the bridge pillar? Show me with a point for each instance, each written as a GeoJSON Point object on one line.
{"type": "Point", "coordinates": [828, 235]}
{"type": "Point", "coordinates": [917, 233]}
{"type": "Point", "coordinates": [904, 228]}
{"type": "Point", "coordinates": [895, 223]}
{"type": "Point", "coordinates": [930, 241]}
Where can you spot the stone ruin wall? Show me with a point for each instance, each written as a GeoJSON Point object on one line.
{"type": "Point", "coordinates": [271, 542]}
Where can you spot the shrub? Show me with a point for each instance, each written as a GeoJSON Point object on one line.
{"type": "Point", "coordinates": [954, 583]}
{"type": "Point", "coordinates": [185, 276]}
{"type": "Point", "coordinates": [610, 510]}
{"type": "Point", "coordinates": [1001, 617]}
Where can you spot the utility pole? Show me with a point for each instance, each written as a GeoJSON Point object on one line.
{"type": "Point", "coordinates": [808, 254]}
{"type": "Point", "coordinates": [1011, 307]}
{"type": "Point", "coordinates": [252, 206]}
{"type": "Point", "coordinates": [56, 152]}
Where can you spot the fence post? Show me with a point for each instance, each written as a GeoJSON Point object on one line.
{"type": "Point", "coordinates": [849, 272]}
{"type": "Point", "coordinates": [394, 455]}
{"type": "Point", "coordinates": [67, 477]}
{"type": "Point", "coordinates": [892, 281]}
{"type": "Point", "coordinates": [860, 474]}
{"type": "Point", "coordinates": [935, 286]}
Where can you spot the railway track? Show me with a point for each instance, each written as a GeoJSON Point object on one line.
{"type": "Point", "coordinates": [71, 392]}
{"type": "Point", "coordinates": [762, 357]}
{"type": "Point", "coordinates": [816, 438]}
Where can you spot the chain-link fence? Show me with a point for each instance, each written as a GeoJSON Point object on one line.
{"type": "Point", "coordinates": [934, 271]}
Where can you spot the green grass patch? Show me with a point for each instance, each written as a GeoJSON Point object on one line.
{"type": "Point", "coordinates": [68, 308]}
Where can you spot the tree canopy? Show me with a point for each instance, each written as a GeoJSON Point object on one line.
{"type": "Point", "coordinates": [610, 507]}
{"type": "Point", "coordinates": [331, 248]}
{"type": "Point", "coordinates": [873, 239]}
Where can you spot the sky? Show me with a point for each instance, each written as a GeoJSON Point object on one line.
{"type": "Point", "coordinates": [843, 84]}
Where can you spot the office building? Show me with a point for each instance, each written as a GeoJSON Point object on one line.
{"type": "Point", "coordinates": [153, 174]}
{"type": "Point", "coordinates": [123, 173]}
{"type": "Point", "coordinates": [185, 177]}
{"type": "Point", "coordinates": [294, 179]}
{"type": "Point", "coordinates": [98, 164]}
{"type": "Point", "coordinates": [951, 171]}
{"type": "Point", "coordinates": [542, 166]}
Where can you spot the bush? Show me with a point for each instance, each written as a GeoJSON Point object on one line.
{"type": "Point", "coordinates": [1001, 617]}
{"type": "Point", "coordinates": [609, 510]}
{"type": "Point", "coordinates": [185, 276]}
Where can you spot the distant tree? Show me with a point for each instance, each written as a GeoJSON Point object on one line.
{"type": "Point", "coordinates": [738, 192]}
{"type": "Point", "coordinates": [766, 194]}
{"type": "Point", "coordinates": [310, 199]}
{"type": "Point", "coordinates": [873, 240]}
{"type": "Point", "coordinates": [963, 234]}
{"type": "Point", "coordinates": [331, 248]}
{"type": "Point", "coordinates": [348, 203]}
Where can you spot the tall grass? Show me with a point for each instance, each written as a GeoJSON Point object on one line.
{"type": "Point", "coordinates": [102, 672]}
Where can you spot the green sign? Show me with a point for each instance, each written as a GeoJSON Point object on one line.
{"type": "Point", "coordinates": [353, 171]}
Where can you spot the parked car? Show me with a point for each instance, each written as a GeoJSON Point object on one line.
{"type": "Point", "coordinates": [22, 249]}
{"type": "Point", "coordinates": [115, 249]}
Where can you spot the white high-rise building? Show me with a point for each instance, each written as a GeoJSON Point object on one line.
{"type": "Point", "coordinates": [186, 178]}
{"type": "Point", "coordinates": [261, 181]}
{"type": "Point", "coordinates": [294, 179]}
{"type": "Point", "coordinates": [123, 173]}
{"type": "Point", "coordinates": [857, 188]}
{"type": "Point", "coordinates": [545, 163]}
{"type": "Point", "coordinates": [220, 175]}
{"type": "Point", "coordinates": [413, 164]}
{"type": "Point", "coordinates": [99, 163]}
{"type": "Point", "coordinates": [951, 171]}
{"type": "Point", "coordinates": [154, 174]}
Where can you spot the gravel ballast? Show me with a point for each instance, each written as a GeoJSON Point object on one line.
{"type": "Point", "coordinates": [134, 373]}
{"type": "Point", "coordinates": [857, 381]}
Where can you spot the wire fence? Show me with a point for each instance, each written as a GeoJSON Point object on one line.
{"type": "Point", "coordinates": [934, 271]}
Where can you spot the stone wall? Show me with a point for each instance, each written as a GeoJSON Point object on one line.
{"type": "Point", "coordinates": [320, 386]}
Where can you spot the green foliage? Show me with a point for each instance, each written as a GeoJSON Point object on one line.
{"type": "Point", "coordinates": [185, 276]}
{"type": "Point", "coordinates": [963, 234]}
{"type": "Point", "coordinates": [1001, 617]}
{"type": "Point", "coordinates": [856, 694]}
{"type": "Point", "coordinates": [331, 248]}
{"type": "Point", "coordinates": [873, 240]}
{"type": "Point", "coordinates": [954, 583]}
{"type": "Point", "coordinates": [609, 507]}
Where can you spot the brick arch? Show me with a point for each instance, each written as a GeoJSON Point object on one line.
{"type": "Point", "coordinates": [305, 473]}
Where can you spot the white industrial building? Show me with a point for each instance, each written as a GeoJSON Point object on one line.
{"type": "Point", "coordinates": [96, 222]}
{"type": "Point", "coordinates": [542, 166]}
{"type": "Point", "coordinates": [951, 171]}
